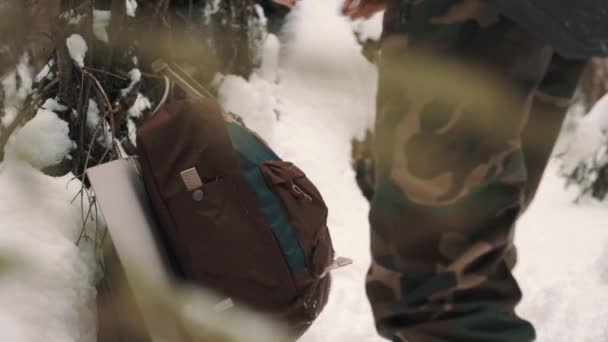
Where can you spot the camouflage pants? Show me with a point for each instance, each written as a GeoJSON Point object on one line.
{"type": "Point", "coordinates": [469, 107]}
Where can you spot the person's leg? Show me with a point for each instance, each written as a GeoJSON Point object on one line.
{"type": "Point", "coordinates": [275, 13]}
{"type": "Point", "coordinates": [469, 106]}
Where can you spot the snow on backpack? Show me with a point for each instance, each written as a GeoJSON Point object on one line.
{"type": "Point", "coordinates": [235, 218]}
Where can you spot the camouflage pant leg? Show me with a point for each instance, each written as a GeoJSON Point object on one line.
{"type": "Point", "coordinates": [469, 107]}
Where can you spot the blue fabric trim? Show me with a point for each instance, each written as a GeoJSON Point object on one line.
{"type": "Point", "coordinates": [252, 152]}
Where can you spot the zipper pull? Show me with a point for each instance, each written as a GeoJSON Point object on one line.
{"type": "Point", "coordinates": [298, 192]}
{"type": "Point", "coordinates": [336, 264]}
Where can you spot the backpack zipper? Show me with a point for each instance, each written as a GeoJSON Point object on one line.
{"type": "Point", "coordinates": [311, 301]}
{"type": "Point", "coordinates": [298, 192]}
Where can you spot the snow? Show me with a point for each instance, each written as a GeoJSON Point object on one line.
{"type": "Point", "coordinates": [47, 291]}
{"type": "Point", "coordinates": [93, 117]}
{"type": "Point", "coordinates": [131, 7]}
{"type": "Point", "coordinates": [562, 264]}
{"type": "Point", "coordinates": [211, 8]}
{"type": "Point", "coordinates": [9, 116]}
{"type": "Point", "coordinates": [132, 128]}
{"type": "Point", "coordinates": [17, 86]}
{"type": "Point", "coordinates": [311, 96]}
{"type": "Point", "coordinates": [260, 14]}
{"type": "Point", "coordinates": [589, 135]}
{"type": "Point", "coordinates": [53, 105]}
{"type": "Point", "coordinates": [140, 105]}
{"type": "Point", "coordinates": [42, 142]}
{"type": "Point", "coordinates": [586, 149]}
{"type": "Point", "coordinates": [101, 21]}
{"type": "Point", "coordinates": [45, 72]}
{"type": "Point", "coordinates": [77, 48]}
{"type": "Point", "coordinates": [270, 56]}
{"type": "Point", "coordinates": [370, 29]}
{"type": "Point", "coordinates": [135, 77]}
{"type": "Point", "coordinates": [256, 98]}
{"type": "Point", "coordinates": [75, 20]}
{"type": "Point", "coordinates": [48, 295]}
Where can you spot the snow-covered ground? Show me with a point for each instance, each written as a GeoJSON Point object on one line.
{"type": "Point", "coordinates": [563, 264]}
{"type": "Point", "coordinates": [313, 94]}
{"type": "Point", "coordinates": [49, 295]}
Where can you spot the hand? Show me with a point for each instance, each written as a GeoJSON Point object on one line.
{"type": "Point", "coordinates": [357, 9]}
{"type": "Point", "coordinates": [286, 3]}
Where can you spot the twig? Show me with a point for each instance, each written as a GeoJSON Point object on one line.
{"type": "Point", "coordinates": [106, 73]}
{"type": "Point", "coordinates": [84, 224]}
{"type": "Point", "coordinates": [100, 89]}
{"type": "Point", "coordinates": [77, 194]}
{"type": "Point", "coordinates": [48, 87]}
{"type": "Point", "coordinates": [113, 132]}
{"type": "Point", "coordinates": [108, 110]}
{"type": "Point", "coordinates": [106, 102]}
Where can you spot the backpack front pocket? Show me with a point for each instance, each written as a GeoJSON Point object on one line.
{"type": "Point", "coordinates": [305, 208]}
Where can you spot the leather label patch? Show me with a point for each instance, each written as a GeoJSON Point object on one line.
{"type": "Point", "coordinates": [192, 180]}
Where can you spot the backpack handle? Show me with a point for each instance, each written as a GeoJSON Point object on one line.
{"type": "Point", "coordinates": [163, 99]}
{"type": "Point", "coordinates": [172, 72]}
{"type": "Point", "coordinates": [180, 77]}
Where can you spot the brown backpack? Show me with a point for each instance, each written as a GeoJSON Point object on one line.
{"type": "Point", "coordinates": [234, 217]}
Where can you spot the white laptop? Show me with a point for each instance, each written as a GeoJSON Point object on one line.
{"type": "Point", "coordinates": [121, 195]}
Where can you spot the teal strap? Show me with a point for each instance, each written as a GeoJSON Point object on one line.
{"type": "Point", "coordinates": [253, 153]}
